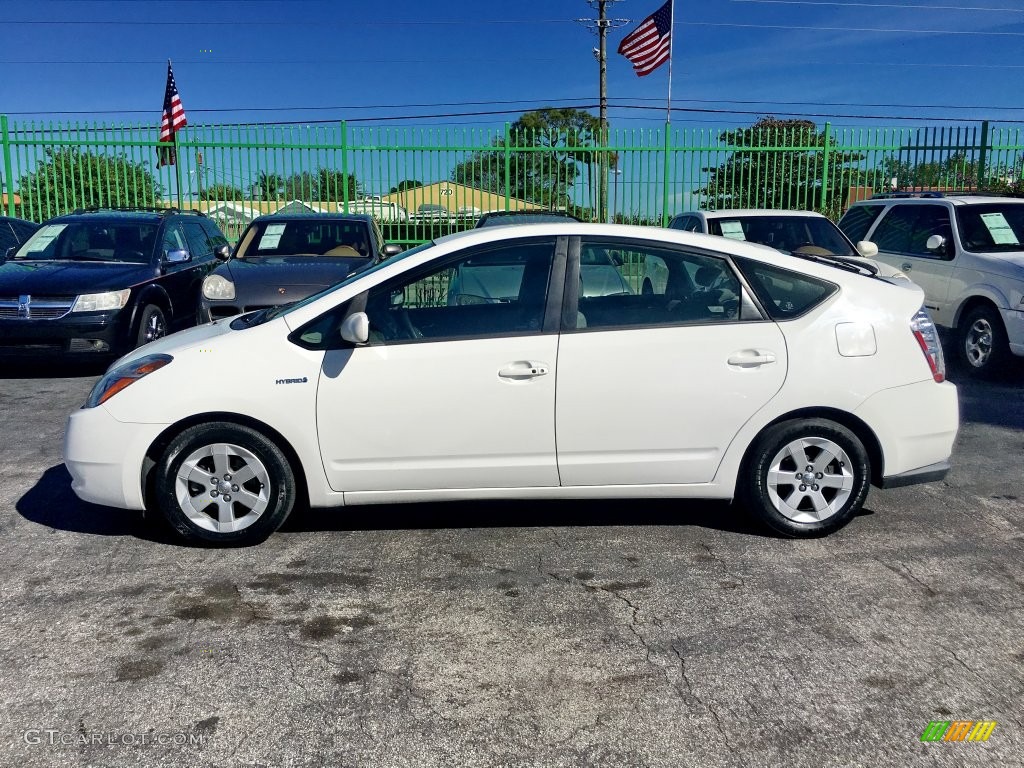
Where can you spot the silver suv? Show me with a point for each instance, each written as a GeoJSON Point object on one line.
{"type": "Point", "coordinates": [967, 253]}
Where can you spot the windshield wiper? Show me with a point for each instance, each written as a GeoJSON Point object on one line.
{"type": "Point", "coordinates": [848, 263]}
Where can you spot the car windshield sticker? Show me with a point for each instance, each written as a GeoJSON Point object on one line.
{"type": "Point", "coordinates": [1001, 231]}
{"type": "Point", "coordinates": [45, 236]}
{"type": "Point", "coordinates": [733, 230]}
{"type": "Point", "coordinates": [271, 237]}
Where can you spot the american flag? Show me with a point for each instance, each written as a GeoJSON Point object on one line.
{"type": "Point", "coordinates": [173, 119]}
{"type": "Point", "coordinates": [650, 45]}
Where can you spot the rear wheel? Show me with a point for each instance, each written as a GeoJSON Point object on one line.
{"type": "Point", "coordinates": [805, 478]}
{"type": "Point", "coordinates": [983, 345]}
{"type": "Point", "coordinates": [223, 483]}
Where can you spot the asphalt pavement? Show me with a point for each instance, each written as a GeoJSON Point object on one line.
{"type": "Point", "coordinates": [514, 634]}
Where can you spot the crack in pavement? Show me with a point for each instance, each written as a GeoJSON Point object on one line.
{"type": "Point", "coordinates": [908, 575]}
{"type": "Point", "coordinates": [711, 710]}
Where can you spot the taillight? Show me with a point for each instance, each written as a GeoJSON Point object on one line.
{"type": "Point", "coordinates": [928, 337]}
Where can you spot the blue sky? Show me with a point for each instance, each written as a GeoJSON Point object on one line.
{"type": "Point", "coordinates": [266, 61]}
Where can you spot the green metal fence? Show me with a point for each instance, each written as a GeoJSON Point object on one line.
{"type": "Point", "coordinates": [424, 181]}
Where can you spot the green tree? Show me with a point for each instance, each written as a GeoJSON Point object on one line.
{"type": "Point", "coordinates": [268, 186]}
{"type": "Point", "coordinates": [548, 151]}
{"type": "Point", "coordinates": [780, 164]}
{"type": "Point", "coordinates": [406, 184]}
{"type": "Point", "coordinates": [222, 192]}
{"type": "Point", "coordinates": [954, 172]}
{"type": "Point", "coordinates": [68, 178]}
{"type": "Point", "coordinates": [333, 186]}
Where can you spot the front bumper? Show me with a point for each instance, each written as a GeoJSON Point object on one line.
{"type": "Point", "coordinates": [105, 457]}
{"type": "Point", "coordinates": [87, 333]}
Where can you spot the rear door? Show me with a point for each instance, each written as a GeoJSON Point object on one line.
{"type": "Point", "coordinates": [652, 388]}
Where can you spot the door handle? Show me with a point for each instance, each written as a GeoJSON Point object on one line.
{"type": "Point", "coordinates": [906, 267]}
{"type": "Point", "coordinates": [751, 358]}
{"type": "Point", "coordinates": [523, 369]}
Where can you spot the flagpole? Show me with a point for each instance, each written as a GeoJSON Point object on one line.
{"type": "Point", "coordinates": [671, 55]}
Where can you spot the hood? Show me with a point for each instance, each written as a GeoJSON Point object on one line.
{"type": "Point", "coordinates": [70, 278]}
{"type": "Point", "coordinates": [253, 277]}
{"type": "Point", "coordinates": [176, 342]}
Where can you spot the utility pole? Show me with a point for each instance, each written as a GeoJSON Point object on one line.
{"type": "Point", "coordinates": [601, 25]}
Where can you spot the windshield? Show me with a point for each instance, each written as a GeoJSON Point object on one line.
{"type": "Point", "coordinates": [263, 315]}
{"type": "Point", "coordinates": [811, 234]}
{"type": "Point", "coordinates": [991, 228]}
{"type": "Point", "coordinates": [306, 237]}
{"type": "Point", "coordinates": [130, 242]}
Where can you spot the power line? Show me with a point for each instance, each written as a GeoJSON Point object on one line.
{"type": "Point", "coordinates": [885, 5]}
{"type": "Point", "coordinates": [282, 23]}
{"type": "Point", "coordinates": [850, 29]}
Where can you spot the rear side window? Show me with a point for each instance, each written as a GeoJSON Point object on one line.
{"type": "Point", "coordinates": [858, 220]}
{"type": "Point", "coordinates": [785, 294]}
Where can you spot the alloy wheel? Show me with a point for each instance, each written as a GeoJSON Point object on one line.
{"type": "Point", "coordinates": [810, 479]}
{"type": "Point", "coordinates": [222, 487]}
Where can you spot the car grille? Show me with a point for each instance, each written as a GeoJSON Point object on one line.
{"type": "Point", "coordinates": [35, 307]}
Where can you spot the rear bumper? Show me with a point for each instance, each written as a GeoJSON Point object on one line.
{"type": "Point", "coordinates": [930, 474]}
{"type": "Point", "coordinates": [916, 426]}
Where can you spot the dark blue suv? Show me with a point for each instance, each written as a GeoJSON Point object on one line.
{"type": "Point", "coordinates": [105, 281]}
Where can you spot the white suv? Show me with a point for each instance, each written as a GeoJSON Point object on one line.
{"type": "Point", "coordinates": [792, 386]}
{"type": "Point", "coordinates": [967, 252]}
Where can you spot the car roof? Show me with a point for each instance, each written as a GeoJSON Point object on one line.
{"type": "Point", "coordinates": [725, 213]}
{"type": "Point", "coordinates": [313, 215]}
{"type": "Point", "coordinates": [926, 199]}
{"type": "Point", "coordinates": [148, 217]}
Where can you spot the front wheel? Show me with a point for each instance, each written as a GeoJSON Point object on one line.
{"type": "Point", "coordinates": [152, 325]}
{"type": "Point", "coordinates": [805, 478]}
{"type": "Point", "coordinates": [983, 344]}
{"type": "Point", "coordinates": [223, 483]}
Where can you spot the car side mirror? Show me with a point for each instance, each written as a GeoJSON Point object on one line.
{"type": "Point", "coordinates": [177, 256]}
{"type": "Point", "coordinates": [937, 244]}
{"type": "Point", "coordinates": [867, 249]}
{"type": "Point", "coordinates": [356, 328]}
{"type": "Point", "coordinates": [390, 249]}
{"type": "Point", "coordinates": [222, 252]}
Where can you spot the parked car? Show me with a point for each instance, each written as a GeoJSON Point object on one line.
{"type": "Point", "coordinates": [798, 233]}
{"type": "Point", "coordinates": [813, 383]}
{"type": "Point", "coordinates": [501, 218]}
{"type": "Point", "coordinates": [967, 253]}
{"type": "Point", "coordinates": [430, 213]}
{"type": "Point", "coordinates": [14, 232]}
{"type": "Point", "coordinates": [102, 282]}
{"type": "Point", "coordinates": [284, 257]}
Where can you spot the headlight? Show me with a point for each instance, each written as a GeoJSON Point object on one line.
{"type": "Point", "coordinates": [218, 287]}
{"type": "Point", "coordinates": [124, 376]}
{"type": "Point", "coordinates": [97, 302]}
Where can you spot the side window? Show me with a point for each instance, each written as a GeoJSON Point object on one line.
{"type": "Point", "coordinates": [173, 240]}
{"type": "Point", "coordinates": [486, 292]}
{"type": "Point", "coordinates": [858, 220]}
{"type": "Point", "coordinates": [678, 288]}
{"type": "Point", "coordinates": [785, 294]}
{"type": "Point", "coordinates": [894, 231]}
{"type": "Point", "coordinates": [213, 234]}
{"type": "Point", "coordinates": [931, 220]}
{"type": "Point", "coordinates": [199, 244]}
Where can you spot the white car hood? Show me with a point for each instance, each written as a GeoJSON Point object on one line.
{"type": "Point", "coordinates": [168, 345]}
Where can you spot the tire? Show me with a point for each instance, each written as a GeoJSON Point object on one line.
{"type": "Point", "coordinates": [196, 486]}
{"type": "Point", "coordinates": [152, 325]}
{"type": "Point", "coordinates": [833, 490]}
{"type": "Point", "coordinates": [983, 346]}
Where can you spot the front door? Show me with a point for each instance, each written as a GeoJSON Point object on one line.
{"type": "Point", "coordinates": [456, 387]}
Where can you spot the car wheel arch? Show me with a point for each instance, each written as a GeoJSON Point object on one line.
{"type": "Point", "coordinates": [164, 439]}
{"type": "Point", "coordinates": [152, 296]}
{"type": "Point", "coordinates": [969, 304]}
{"type": "Point", "coordinates": [864, 433]}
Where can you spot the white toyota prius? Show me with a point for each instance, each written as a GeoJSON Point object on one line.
{"type": "Point", "coordinates": [476, 367]}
